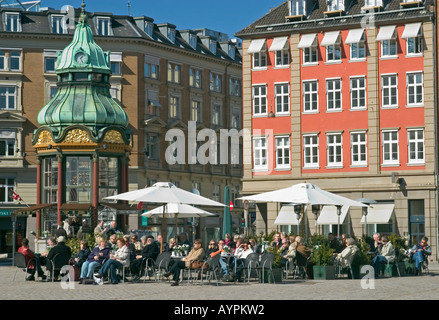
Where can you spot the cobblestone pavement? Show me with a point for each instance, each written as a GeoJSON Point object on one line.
{"type": "Point", "coordinates": [424, 287]}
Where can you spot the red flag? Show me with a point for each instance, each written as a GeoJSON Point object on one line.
{"type": "Point", "coordinates": [16, 196]}
{"type": "Point", "coordinates": [140, 205]}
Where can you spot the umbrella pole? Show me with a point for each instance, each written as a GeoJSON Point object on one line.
{"type": "Point", "coordinates": [163, 228]}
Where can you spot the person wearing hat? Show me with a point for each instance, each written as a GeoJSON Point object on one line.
{"type": "Point", "coordinates": [150, 251]}
{"type": "Point", "coordinates": [59, 248]}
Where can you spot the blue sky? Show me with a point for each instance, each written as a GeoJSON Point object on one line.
{"type": "Point", "coordinates": [227, 16]}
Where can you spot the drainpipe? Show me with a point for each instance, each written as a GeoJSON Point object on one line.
{"type": "Point", "coordinates": [436, 149]}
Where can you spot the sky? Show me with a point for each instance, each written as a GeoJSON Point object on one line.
{"type": "Point", "coordinates": [227, 16]}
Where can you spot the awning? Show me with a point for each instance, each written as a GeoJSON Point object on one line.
{"type": "Point", "coordinates": [411, 30]}
{"type": "Point", "coordinates": [328, 215]}
{"type": "Point", "coordinates": [76, 206]}
{"type": "Point", "coordinates": [116, 56]}
{"type": "Point", "coordinates": [354, 36]}
{"type": "Point", "coordinates": [386, 33]}
{"type": "Point", "coordinates": [379, 213]}
{"type": "Point", "coordinates": [307, 40]}
{"type": "Point", "coordinates": [37, 207]}
{"type": "Point", "coordinates": [154, 103]}
{"type": "Point", "coordinates": [256, 46]}
{"type": "Point", "coordinates": [330, 38]}
{"type": "Point", "coordinates": [278, 44]}
{"type": "Point", "coordinates": [287, 216]}
{"type": "Point", "coordinates": [120, 206]}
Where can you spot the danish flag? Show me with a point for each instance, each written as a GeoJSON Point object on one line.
{"type": "Point", "coordinates": [16, 196]}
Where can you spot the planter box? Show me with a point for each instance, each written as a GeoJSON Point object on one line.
{"type": "Point", "coordinates": [324, 272]}
{"type": "Point", "coordinates": [356, 269]}
{"type": "Point", "coordinates": [268, 277]}
{"type": "Point", "coordinates": [409, 267]}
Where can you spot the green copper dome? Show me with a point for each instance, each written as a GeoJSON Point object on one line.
{"type": "Point", "coordinates": [84, 95]}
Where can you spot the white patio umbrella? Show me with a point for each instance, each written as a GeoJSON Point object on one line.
{"type": "Point", "coordinates": [178, 210]}
{"type": "Point", "coordinates": [166, 193]}
{"type": "Point", "coordinates": [306, 194]}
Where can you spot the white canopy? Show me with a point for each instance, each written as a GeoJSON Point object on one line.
{"type": "Point", "coordinates": [307, 40]}
{"type": "Point", "coordinates": [386, 33]}
{"type": "Point", "coordinates": [256, 46]}
{"type": "Point", "coordinates": [328, 215]}
{"type": "Point", "coordinates": [278, 44]}
{"type": "Point", "coordinates": [287, 216]}
{"type": "Point", "coordinates": [330, 38]}
{"type": "Point", "coordinates": [411, 30]}
{"type": "Point", "coordinates": [178, 210]}
{"type": "Point", "coordinates": [379, 213]}
{"type": "Point", "coordinates": [354, 36]}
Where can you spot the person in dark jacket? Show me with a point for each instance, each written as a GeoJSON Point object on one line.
{"type": "Point", "coordinates": [59, 248]}
{"type": "Point", "coordinates": [150, 251]}
{"type": "Point", "coordinates": [99, 254]}
{"type": "Point", "coordinates": [81, 256]}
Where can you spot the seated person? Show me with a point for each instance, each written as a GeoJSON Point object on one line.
{"type": "Point", "coordinates": [96, 258]}
{"type": "Point", "coordinates": [161, 244]}
{"type": "Point", "coordinates": [304, 253]}
{"type": "Point", "coordinates": [182, 239]}
{"type": "Point", "coordinates": [32, 261]}
{"type": "Point", "coordinates": [375, 243]}
{"type": "Point", "coordinates": [121, 258]}
{"type": "Point", "coordinates": [345, 258]}
{"type": "Point", "coordinates": [223, 261]}
{"type": "Point", "coordinates": [334, 243]}
{"type": "Point", "coordinates": [197, 253]}
{"type": "Point", "coordinates": [385, 254]}
{"type": "Point", "coordinates": [59, 248]}
{"type": "Point", "coordinates": [150, 251]}
{"type": "Point", "coordinates": [284, 250]}
{"type": "Point", "coordinates": [211, 248]}
{"type": "Point", "coordinates": [240, 259]}
{"type": "Point", "coordinates": [420, 253]}
{"type": "Point", "coordinates": [138, 246]}
{"type": "Point", "coordinates": [78, 259]}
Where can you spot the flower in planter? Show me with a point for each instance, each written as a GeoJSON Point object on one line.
{"type": "Point", "coordinates": [226, 249]}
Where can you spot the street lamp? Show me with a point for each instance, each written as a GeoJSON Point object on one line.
{"type": "Point", "coordinates": [338, 219]}
{"type": "Point", "coordinates": [315, 208]}
{"type": "Point", "coordinates": [298, 210]}
{"type": "Point", "coordinates": [365, 210]}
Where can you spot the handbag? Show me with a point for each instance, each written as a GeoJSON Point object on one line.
{"type": "Point", "coordinates": [197, 264]}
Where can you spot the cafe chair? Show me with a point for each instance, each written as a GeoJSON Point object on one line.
{"type": "Point", "coordinates": [157, 267]}
{"type": "Point", "coordinates": [211, 268]}
{"type": "Point", "coordinates": [20, 263]}
{"type": "Point", "coordinates": [300, 265]}
{"type": "Point", "coordinates": [59, 261]}
{"type": "Point", "coordinates": [252, 263]}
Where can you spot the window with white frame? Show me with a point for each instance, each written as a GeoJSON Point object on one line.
{"type": "Point", "coordinates": [311, 151]}
{"type": "Point", "coordinates": [281, 51]}
{"type": "Point", "coordinates": [174, 107]}
{"type": "Point", "coordinates": [335, 5]}
{"type": "Point", "coordinates": [148, 28]}
{"type": "Point", "coordinates": [12, 22]}
{"type": "Point", "coordinates": [388, 38]}
{"type": "Point", "coordinates": [8, 97]}
{"type": "Point", "coordinates": [334, 147]}
{"type": "Point", "coordinates": [7, 186]}
{"type": "Point", "coordinates": [389, 90]}
{"type": "Point", "coordinates": [212, 46]}
{"type": "Point", "coordinates": [171, 34]}
{"type": "Point", "coordinates": [282, 97]}
{"type": "Point", "coordinates": [260, 58]}
{"type": "Point", "coordinates": [260, 100]}
{"type": "Point", "coordinates": [359, 148]}
{"type": "Point", "coordinates": [358, 92]}
{"type": "Point", "coordinates": [216, 114]}
{"type": "Point", "coordinates": [333, 94]}
{"type": "Point", "coordinates": [297, 7]}
{"type": "Point", "coordinates": [390, 145]}
{"type": "Point", "coordinates": [195, 78]}
{"type": "Point", "coordinates": [415, 144]}
{"type": "Point", "coordinates": [310, 96]}
{"type": "Point", "coordinates": [58, 25]}
{"type": "Point", "coordinates": [116, 63]}
{"type": "Point", "coordinates": [216, 82]}
{"type": "Point", "coordinates": [174, 73]}
{"type": "Point", "coordinates": [235, 87]}
{"type": "Point", "coordinates": [50, 58]}
{"type": "Point", "coordinates": [415, 89]}
{"type": "Point", "coordinates": [193, 40]}
{"type": "Point", "coordinates": [413, 38]}
{"type": "Point", "coordinates": [195, 111]}
{"type": "Point", "coordinates": [310, 54]}
{"type": "Point", "coordinates": [104, 26]}
{"type": "Point", "coordinates": [7, 143]}
{"type": "Point", "coordinates": [357, 43]}
{"type": "Point", "coordinates": [282, 144]}
{"type": "Point", "coordinates": [10, 60]}
{"type": "Point", "coordinates": [216, 195]}
{"type": "Point", "coordinates": [373, 3]}
{"type": "Point", "coordinates": [236, 117]}
{"type": "Point", "coordinates": [260, 153]}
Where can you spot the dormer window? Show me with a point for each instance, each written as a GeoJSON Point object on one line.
{"type": "Point", "coordinates": [193, 40]}
{"type": "Point", "coordinates": [297, 7]}
{"type": "Point", "coordinates": [410, 3]}
{"type": "Point", "coordinates": [171, 34]}
{"type": "Point", "coordinates": [12, 22]}
{"type": "Point", "coordinates": [212, 46]}
{"type": "Point", "coordinates": [231, 52]}
{"type": "Point", "coordinates": [148, 27]}
{"type": "Point", "coordinates": [104, 26]}
{"type": "Point", "coordinates": [336, 5]}
{"type": "Point", "coordinates": [373, 3]}
{"type": "Point", "coordinates": [58, 25]}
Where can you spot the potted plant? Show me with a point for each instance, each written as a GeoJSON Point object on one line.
{"type": "Point", "coordinates": [322, 258]}
{"type": "Point", "coordinates": [361, 258]}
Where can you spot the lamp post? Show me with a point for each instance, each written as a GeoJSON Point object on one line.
{"type": "Point", "coordinates": [338, 219]}
{"type": "Point", "coordinates": [316, 210]}
{"type": "Point", "coordinates": [365, 210]}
